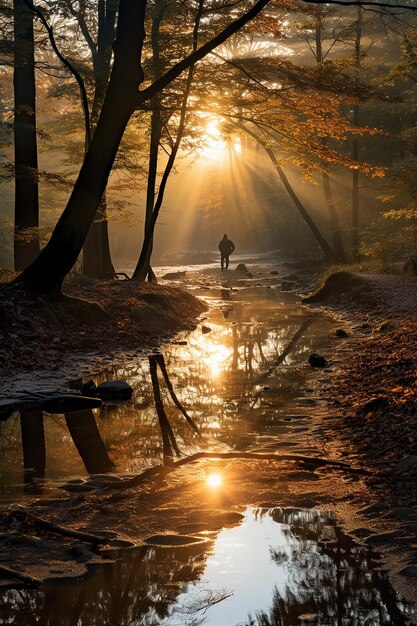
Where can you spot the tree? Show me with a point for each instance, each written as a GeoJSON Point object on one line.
{"type": "Point", "coordinates": [26, 238]}
{"type": "Point", "coordinates": [48, 271]}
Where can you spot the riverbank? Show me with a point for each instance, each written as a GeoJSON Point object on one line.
{"type": "Point", "coordinates": [97, 321]}
{"type": "Point", "coordinates": [371, 404]}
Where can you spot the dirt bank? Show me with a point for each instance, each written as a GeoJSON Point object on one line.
{"type": "Point", "coordinates": [371, 415]}
{"type": "Point", "coordinates": [96, 317]}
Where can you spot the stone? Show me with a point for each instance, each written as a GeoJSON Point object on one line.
{"type": "Point", "coordinates": [410, 571]}
{"type": "Point", "coordinates": [384, 327]}
{"type": "Point", "coordinates": [341, 333]}
{"type": "Point", "coordinates": [115, 389]}
{"type": "Point", "coordinates": [374, 404]}
{"type": "Point", "coordinates": [174, 275]}
{"type": "Point", "coordinates": [407, 461]}
{"type": "Point", "coordinates": [205, 330]}
{"type": "Point", "coordinates": [89, 388]}
{"type": "Point", "coordinates": [241, 268]}
{"type": "Point", "coordinates": [373, 510]}
{"type": "Point", "coordinates": [317, 360]}
{"type": "Point", "coordinates": [274, 273]}
{"type": "Point", "coordinates": [361, 532]}
{"type": "Point", "coordinates": [401, 512]}
{"type": "Point", "coordinates": [381, 539]}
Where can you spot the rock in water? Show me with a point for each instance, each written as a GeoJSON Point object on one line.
{"type": "Point", "coordinates": [205, 330]}
{"type": "Point", "coordinates": [89, 388]}
{"type": "Point", "coordinates": [69, 403]}
{"type": "Point", "coordinates": [117, 389]}
{"type": "Point", "coordinates": [174, 275]}
{"type": "Point", "coordinates": [241, 268]}
{"type": "Point", "coordinates": [317, 360]}
{"type": "Point", "coordinates": [340, 332]}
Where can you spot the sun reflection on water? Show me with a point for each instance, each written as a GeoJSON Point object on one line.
{"type": "Point", "coordinates": [214, 480]}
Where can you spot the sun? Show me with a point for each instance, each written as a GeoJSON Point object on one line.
{"type": "Point", "coordinates": [214, 144]}
{"type": "Point", "coordinates": [215, 147]}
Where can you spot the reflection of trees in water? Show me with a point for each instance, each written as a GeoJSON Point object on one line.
{"type": "Point", "coordinates": [330, 578]}
{"type": "Point", "coordinates": [326, 575]}
{"type": "Point", "coordinates": [228, 405]}
{"type": "Point", "coordinates": [140, 589]}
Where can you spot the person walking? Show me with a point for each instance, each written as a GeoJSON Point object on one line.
{"type": "Point", "coordinates": [226, 247]}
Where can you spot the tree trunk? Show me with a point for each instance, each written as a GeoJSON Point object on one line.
{"type": "Point", "coordinates": [143, 265]}
{"type": "Point", "coordinates": [355, 143]}
{"type": "Point", "coordinates": [26, 236]}
{"type": "Point", "coordinates": [328, 194]}
{"type": "Point", "coordinates": [97, 261]}
{"type": "Point", "coordinates": [338, 246]}
{"type": "Point", "coordinates": [329, 254]}
{"type": "Point", "coordinates": [59, 255]}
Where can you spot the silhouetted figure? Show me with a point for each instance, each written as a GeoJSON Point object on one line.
{"type": "Point", "coordinates": [226, 247]}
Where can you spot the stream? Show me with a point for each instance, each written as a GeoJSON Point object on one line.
{"type": "Point", "coordinates": [243, 378]}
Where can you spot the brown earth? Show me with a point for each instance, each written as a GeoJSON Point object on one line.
{"type": "Point", "coordinates": [102, 317]}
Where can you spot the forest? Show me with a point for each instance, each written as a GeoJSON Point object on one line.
{"type": "Point", "coordinates": [170, 391]}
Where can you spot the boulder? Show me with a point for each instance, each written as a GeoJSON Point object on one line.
{"type": "Point", "coordinates": [317, 360]}
{"type": "Point", "coordinates": [115, 389]}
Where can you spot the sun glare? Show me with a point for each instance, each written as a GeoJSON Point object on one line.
{"type": "Point", "coordinates": [214, 480]}
{"type": "Point", "coordinates": [215, 146]}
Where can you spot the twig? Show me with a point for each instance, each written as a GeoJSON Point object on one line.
{"type": "Point", "coordinates": [61, 530]}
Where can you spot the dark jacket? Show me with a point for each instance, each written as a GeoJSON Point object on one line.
{"type": "Point", "coordinates": [226, 246]}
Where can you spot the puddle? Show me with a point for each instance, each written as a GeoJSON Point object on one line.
{"type": "Point", "coordinates": [238, 383]}
{"type": "Point", "coordinates": [282, 567]}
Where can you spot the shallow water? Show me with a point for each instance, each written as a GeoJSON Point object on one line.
{"type": "Point", "coordinates": [248, 386]}
{"type": "Point", "coordinates": [237, 382]}
{"type": "Point", "coordinates": [278, 567]}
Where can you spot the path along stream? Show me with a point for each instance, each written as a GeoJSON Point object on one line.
{"type": "Point", "coordinates": [243, 377]}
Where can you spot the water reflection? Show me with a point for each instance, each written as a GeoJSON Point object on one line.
{"type": "Point", "coordinates": [272, 569]}
{"type": "Point", "coordinates": [216, 382]}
